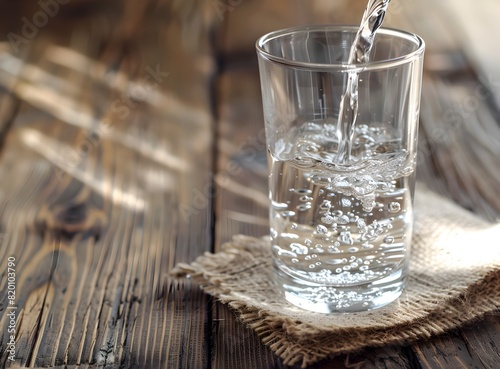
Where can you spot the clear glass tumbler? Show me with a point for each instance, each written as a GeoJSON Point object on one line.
{"type": "Point", "coordinates": [341, 191]}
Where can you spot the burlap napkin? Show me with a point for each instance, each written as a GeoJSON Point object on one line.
{"type": "Point", "coordinates": [455, 277]}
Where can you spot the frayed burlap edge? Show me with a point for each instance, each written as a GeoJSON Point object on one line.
{"type": "Point", "coordinates": [475, 301]}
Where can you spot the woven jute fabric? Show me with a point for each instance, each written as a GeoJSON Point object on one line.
{"type": "Point", "coordinates": [454, 278]}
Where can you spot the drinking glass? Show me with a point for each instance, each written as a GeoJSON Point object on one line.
{"type": "Point", "coordinates": [341, 190]}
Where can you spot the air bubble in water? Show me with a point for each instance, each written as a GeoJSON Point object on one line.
{"type": "Point", "coordinates": [303, 191]}
{"type": "Point", "coordinates": [346, 202]}
{"type": "Point", "coordinates": [327, 219]}
{"type": "Point", "coordinates": [338, 270]}
{"type": "Point", "coordinates": [333, 249]}
{"type": "Point", "coordinates": [312, 266]}
{"type": "Point", "coordinates": [282, 252]}
{"type": "Point", "coordinates": [299, 248]}
{"type": "Point", "coordinates": [287, 214]}
{"type": "Point", "coordinates": [293, 225]}
{"type": "Point", "coordinates": [389, 239]}
{"type": "Point", "coordinates": [308, 242]}
{"type": "Point", "coordinates": [273, 232]}
{"type": "Point", "coordinates": [326, 204]}
{"type": "Point", "coordinates": [304, 207]}
{"type": "Point", "coordinates": [394, 207]}
{"type": "Point", "coordinates": [345, 237]}
{"type": "Point", "coordinates": [344, 219]}
{"type": "Point", "coordinates": [321, 229]}
{"type": "Point", "coordinates": [305, 198]}
{"type": "Point", "coordinates": [279, 205]}
{"type": "Point", "coordinates": [308, 257]}
{"type": "Point", "coordinates": [295, 260]}
{"type": "Point", "coordinates": [320, 181]}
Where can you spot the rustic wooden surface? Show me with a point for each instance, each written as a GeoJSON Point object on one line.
{"type": "Point", "coordinates": [133, 140]}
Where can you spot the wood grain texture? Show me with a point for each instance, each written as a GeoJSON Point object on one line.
{"type": "Point", "coordinates": [242, 201]}
{"type": "Point", "coordinates": [8, 110]}
{"type": "Point", "coordinates": [445, 352]}
{"type": "Point", "coordinates": [373, 358]}
{"type": "Point", "coordinates": [483, 341]}
{"type": "Point", "coordinates": [97, 205]}
{"type": "Point", "coordinates": [241, 204]}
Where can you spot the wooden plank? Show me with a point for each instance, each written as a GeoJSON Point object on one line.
{"type": "Point", "coordinates": [459, 124]}
{"type": "Point", "coordinates": [456, 159]}
{"type": "Point", "coordinates": [241, 205]}
{"type": "Point", "coordinates": [371, 358]}
{"type": "Point", "coordinates": [446, 352]}
{"type": "Point", "coordinates": [392, 357]}
{"type": "Point", "coordinates": [238, 32]}
{"type": "Point", "coordinates": [8, 111]}
{"type": "Point", "coordinates": [95, 219]}
{"type": "Point", "coordinates": [237, 346]}
{"type": "Point", "coordinates": [453, 101]}
{"type": "Point", "coordinates": [241, 202]}
{"type": "Point", "coordinates": [483, 341]}
{"type": "Point", "coordinates": [478, 30]}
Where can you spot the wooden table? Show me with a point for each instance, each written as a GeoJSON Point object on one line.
{"type": "Point", "coordinates": [128, 146]}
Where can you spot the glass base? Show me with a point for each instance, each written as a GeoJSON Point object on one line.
{"type": "Point", "coordinates": [334, 299]}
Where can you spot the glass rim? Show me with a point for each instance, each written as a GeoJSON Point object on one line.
{"type": "Point", "coordinates": [342, 67]}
